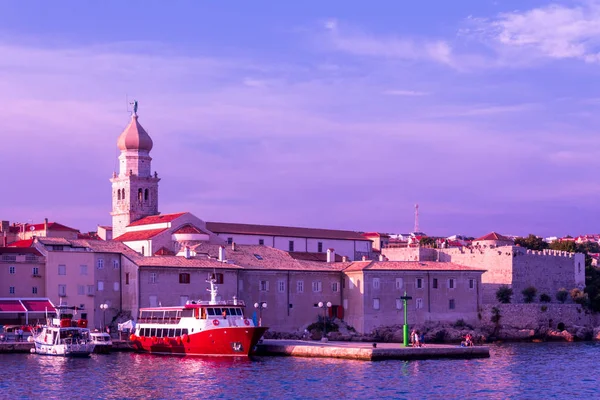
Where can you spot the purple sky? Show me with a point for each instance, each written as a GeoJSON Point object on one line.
{"type": "Point", "coordinates": [325, 114]}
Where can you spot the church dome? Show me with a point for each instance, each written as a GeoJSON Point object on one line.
{"type": "Point", "coordinates": [134, 137]}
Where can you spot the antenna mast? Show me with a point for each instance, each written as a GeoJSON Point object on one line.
{"type": "Point", "coordinates": [416, 218]}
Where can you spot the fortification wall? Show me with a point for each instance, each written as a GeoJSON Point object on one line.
{"type": "Point", "coordinates": [409, 253]}
{"type": "Point", "coordinates": [532, 316]}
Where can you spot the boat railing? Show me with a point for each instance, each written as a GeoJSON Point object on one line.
{"type": "Point", "coordinates": [218, 303]}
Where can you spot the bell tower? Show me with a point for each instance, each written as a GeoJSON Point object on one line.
{"type": "Point", "coordinates": [134, 188]}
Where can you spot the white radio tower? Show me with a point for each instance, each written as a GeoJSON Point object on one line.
{"type": "Point", "coordinates": [416, 218]}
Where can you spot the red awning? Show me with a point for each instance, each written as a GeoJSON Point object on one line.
{"type": "Point", "coordinates": [11, 306]}
{"type": "Point", "coordinates": [38, 305]}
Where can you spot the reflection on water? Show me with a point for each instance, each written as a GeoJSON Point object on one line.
{"type": "Point", "coordinates": [513, 371]}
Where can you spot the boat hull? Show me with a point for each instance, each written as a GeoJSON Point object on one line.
{"type": "Point", "coordinates": [230, 341]}
{"type": "Point", "coordinates": [63, 350]}
{"type": "Point", "coordinates": [102, 348]}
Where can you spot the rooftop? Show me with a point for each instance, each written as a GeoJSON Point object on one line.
{"type": "Point", "coordinates": [494, 236]}
{"type": "Point", "coordinates": [157, 219]}
{"type": "Point", "coordinates": [285, 231]}
{"type": "Point", "coordinates": [409, 266]}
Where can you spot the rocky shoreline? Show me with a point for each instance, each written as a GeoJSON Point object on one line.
{"type": "Point", "coordinates": [450, 333]}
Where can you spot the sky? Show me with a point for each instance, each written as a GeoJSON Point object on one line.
{"type": "Point", "coordinates": [337, 114]}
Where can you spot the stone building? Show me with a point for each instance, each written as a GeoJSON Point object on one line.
{"type": "Point", "coordinates": [21, 272]}
{"type": "Point", "coordinates": [546, 270]}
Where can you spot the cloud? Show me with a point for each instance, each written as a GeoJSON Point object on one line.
{"type": "Point", "coordinates": [404, 48]}
{"type": "Point", "coordinates": [405, 93]}
{"type": "Point", "coordinates": [553, 31]}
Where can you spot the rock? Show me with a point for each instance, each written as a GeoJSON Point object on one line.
{"type": "Point", "coordinates": [553, 334]}
{"type": "Point", "coordinates": [584, 333]}
{"type": "Point", "coordinates": [596, 333]}
{"type": "Point", "coordinates": [516, 334]}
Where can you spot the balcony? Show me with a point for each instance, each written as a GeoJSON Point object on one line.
{"type": "Point", "coordinates": [36, 276]}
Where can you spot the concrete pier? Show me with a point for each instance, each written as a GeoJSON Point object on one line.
{"type": "Point", "coordinates": [25, 347]}
{"type": "Point", "coordinates": [366, 351]}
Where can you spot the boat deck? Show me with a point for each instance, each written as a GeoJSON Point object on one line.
{"type": "Point", "coordinates": [365, 350]}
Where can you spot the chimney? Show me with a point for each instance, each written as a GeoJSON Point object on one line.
{"type": "Point", "coordinates": [222, 253]}
{"type": "Point", "coordinates": [330, 255]}
{"type": "Point", "coordinates": [187, 252]}
{"type": "Point", "coordinates": [381, 257]}
{"type": "Point", "coordinates": [45, 226]}
{"type": "Point", "coordinates": [344, 259]}
{"type": "Point", "coordinates": [364, 258]}
{"type": "Point", "coordinates": [4, 226]}
{"type": "Point", "coordinates": [232, 246]}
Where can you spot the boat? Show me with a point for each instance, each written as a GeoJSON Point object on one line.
{"type": "Point", "coordinates": [102, 341]}
{"type": "Point", "coordinates": [63, 336]}
{"type": "Point", "coordinates": [198, 328]}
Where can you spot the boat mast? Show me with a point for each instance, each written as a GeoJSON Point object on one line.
{"type": "Point", "coordinates": [213, 288]}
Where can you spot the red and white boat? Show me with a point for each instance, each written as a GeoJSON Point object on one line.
{"type": "Point", "coordinates": [199, 328]}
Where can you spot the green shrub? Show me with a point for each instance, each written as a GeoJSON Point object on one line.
{"type": "Point", "coordinates": [562, 295]}
{"type": "Point", "coordinates": [504, 293]}
{"type": "Point", "coordinates": [545, 298]}
{"type": "Point", "coordinates": [529, 294]}
{"type": "Point", "coordinates": [331, 326]}
{"type": "Point", "coordinates": [579, 296]}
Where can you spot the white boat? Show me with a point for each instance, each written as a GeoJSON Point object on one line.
{"type": "Point", "coordinates": [63, 336]}
{"type": "Point", "coordinates": [102, 342]}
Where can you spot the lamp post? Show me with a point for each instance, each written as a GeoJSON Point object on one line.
{"type": "Point", "coordinates": [405, 298]}
{"type": "Point", "coordinates": [324, 306]}
{"type": "Point", "coordinates": [260, 306]}
{"type": "Point", "coordinates": [103, 307]}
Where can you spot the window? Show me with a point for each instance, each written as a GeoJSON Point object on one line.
{"type": "Point", "coordinates": [123, 193]}
{"type": "Point", "coordinates": [100, 286]}
{"type": "Point", "coordinates": [451, 283]}
{"type": "Point", "coordinates": [317, 286]}
{"type": "Point", "coordinates": [300, 286]}
{"type": "Point", "coordinates": [118, 194]}
{"type": "Point", "coordinates": [398, 304]}
{"type": "Point", "coordinates": [153, 277]}
{"type": "Point", "coordinates": [217, 277]}
{"type": "Point", "coordinates": [11, 290]}
{"type": "Point", "coordinates": [127, 278]}
{"type": "Point", "coordinates": [184, 278]}
{"type": "Point", "coordinates": [62, 269]}
{"type": "Point", "coordinates": [434, 283]}
{"type": "Point", "coordinates": [320, 247]}
{"type": "Point", "coordinates": [146, 195]}
{"type": "Point", "coordinates": [90, 290]}
{"type": "Point", "coordinates": [291, 245]}
{"type": "Point", "coordinates": [80, 290]}
{"type": "Point", "coordinates": [281, 286]}
{"type": "Point", "coordinates": [34, 290]}
{"type": "Point", "coordinates": [116, 286]}
{"type": "Point", "coordinates": [471, 283]}
{"type": "Point", "coordinates": [375, 304]}
{"type": "Point", "coordinates": [35, 271]}
{"type": "Point", "coordinates": [229, 240]}
{"type": "Point", "coordinates": [399, 283]}
{"type": "Point", "coordinates": [264, 286]}
{"type": "Point", "coordinates": [62, 290]}
{"type": "Point", "coordinates": [143, 251]}
{"type": "Point", "coordinates": [419, 303]}
{"type": "Point", "coordinates": [100, 263]}
{"type": "Point", "coordinates": [419, 283]}
{"type": "Point", "coordinates": [83, 269]}
{"type": "Point", "coordinates": [452, 304]}
{"type": "Point", "coordinates": [334, 287]}
{"type": "Point", "coordinates": [140, 194]}
{"type": "Point", "coordinates": [376, 283]}
{"type": "Point", "coordinates": [115, 264]}
{"type": "Point", "coordinates": [11, 270]}
{"type": "Point", "coordinates": [258, 256]}
{"type": "Point", "coordinates": [261, 242]}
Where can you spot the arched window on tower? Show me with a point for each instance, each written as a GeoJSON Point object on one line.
{"type": "Point", "coordinates": [123, 193]}
{"type": "Point", "coordinates": [118, 194]}
{"type": "Point", "coordinates": [146, 195]}
{"type": "Point", "coordinates": [140, 194]}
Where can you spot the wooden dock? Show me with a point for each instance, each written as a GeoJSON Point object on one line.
{"type": "Point", "coordinates": [366, 351]}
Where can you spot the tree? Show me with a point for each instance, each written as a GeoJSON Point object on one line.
{"type": "Point", "coordinates": [427, 241]}
{"type": "Point", "coordinates": [579, 296]}
{"type": "Point", "coordinates": [569, 246]}
{"type": "Point", "coordinates": [562, 294]}
{"type": "Point", "coordinates": [545, 298]}
{"type": "Point", "coordinates": [504, 293]}
{"type": "Point", "coordinates": [529, 294]}
{"type": "Point", "coordinates": [531, 242]}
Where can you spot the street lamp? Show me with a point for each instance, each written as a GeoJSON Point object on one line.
{"type": "Point", "coordinates": [324, 306]}
{"type": "Point", "coordinates": [405, 298]}
{"type": "Point", "coordinates": [260, 307]}
{"type": "Point", "coordinates": [103, 307]}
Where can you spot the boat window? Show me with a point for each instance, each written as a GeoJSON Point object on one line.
{"type": "Point", "coordinates": [239, 312]}
{"type": "Point", "coordinates": [185, 331]}
{"type": "Point", "coordinates": [152, 332]}
{"type": "Point", "coordinates": [146, 332]}
{"type": "Point", "coordinates": [178, 315]}
{"type": "Point", "coordinates": [203, 314]}
{"type": "Point", "coordinates": [218, 311]}
{"type": "Point", "coordinates": [177, 332]}
{"type": "Point", "coordinates": [187, 313]}
{"type": "Point", "coordinates": [211, 311]}
{"type": "Point", "coordinates": [171, 332]}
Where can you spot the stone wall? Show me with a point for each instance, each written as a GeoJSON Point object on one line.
{"type": "Point", "coordinates": [532, 316]}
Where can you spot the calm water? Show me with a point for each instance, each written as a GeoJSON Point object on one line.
{"type": "Point", "coordinates": [531, 371]}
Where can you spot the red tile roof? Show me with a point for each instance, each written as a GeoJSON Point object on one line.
{"type": "Point", "coordinates": [139, 235]}
{"type": "Point", "coordinates": [375, 234]}
{"type": "Point", "coordinates": [21, 243]}
{"type": "Point", "coordinates": [320, 257]}
{"type": "Point", "coordinates": [52, 226]}
{"type": "Point", "coordinates": [20, 250]}
{"type": "Point", "coordinates": [494, 236]}
{"type": "Point", "coordinates": [409, 266]}
{"type": "Point", "coordinates": [188, 229]}
{"type": "Point", "coordinates": [163, 251]}
{"type": "Point", "coordinates": [157, 219]}
{"type": "Point", "coordinates": [285, 231]}
{"type": "Point", "coordinates": [182, 262]}
{"type": "Point", "coordinates": [89, 236]}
